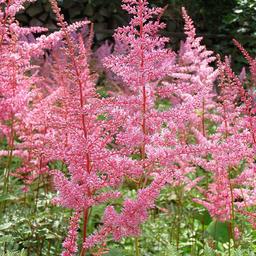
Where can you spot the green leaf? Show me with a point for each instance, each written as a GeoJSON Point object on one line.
{"type": "Point", "coordinates": [162, 104]}
{"type": "Point", "coordinates": [10, 253]}
{"type": "Point", "coordinates": [102, 117]}
{"type": "Point", "coordinates": [4, 239]}
{"type": "Point", "coordinates": [50, 236]}
{"type": "Point", "coordinates": [171, 250]}
{"type": "Point", "coordinates": [5, 226]}
{"type": "Point", "coordinates": [102, 92]}
{"type": "Point", "coordinates": [238, 11]}
{"type": "Point", "coordinates": [115, 252]}
{"type": "Point", "coordinates": [208, 251]}
{"type": "Point", "coordinates": [204, 217]}
{"type": "Point", "coordinates": [7, 198]}
{"type": "Point", "coordinates": [219, 231]}
{"type": "Point", "coordinates": [136, 156]}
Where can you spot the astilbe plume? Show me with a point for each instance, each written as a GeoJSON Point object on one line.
{"type": "Point", "coordinates": [251, 61]}
{"type": "Point", "coordinates": [163, 153]}
{"type": "Point", "coordinates": [70, 243]}
{"type": "Point", "coordinates": [246, 179]}
{"type": "Point", "coordinates": [75, 126]}
{"type": "Point", "coordinates": [15, 62]}
{"type": "Point", "coordinates": [144, 62]}
{"type": "Point", "coordinates": [111, 80]}
{"type": "Point", "coordinates": [20, 90]}
{"type": "Point", "coordinates": [231, 190]}
{"type": "Point", "coordinates": [17, 77]}
{"type": "Point", "coordinates": [30, 92]}
{"type": "Point", "coordinates": [189, 88]}
{"type": "Point", "coordinates": [248, 95]}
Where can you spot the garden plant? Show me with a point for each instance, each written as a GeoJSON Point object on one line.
{"type": "Point", "coordinates": [130, 148]}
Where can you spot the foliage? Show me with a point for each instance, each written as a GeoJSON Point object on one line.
{"type": "Point", "coordinates": [240, 24]}
{"type": "Point", "coordinates": [218, 20]}
{"type": "Point", "coordinates": [22, 253]}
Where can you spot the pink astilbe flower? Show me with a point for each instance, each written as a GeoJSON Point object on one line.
{"type": "Point", "coordinates": [72, 124]}
{"type": "Point", "coordinates": [144, 62]}
{"type": "Point", "coordinates": [20, 92]}
{"type": "Point", "coordinates": [242, 75]}
{"type": "Point", "coordinates": [146, 48]}
{"type": "Point", "coordinates": [160, 149]}
{"type": "Point", "coordinates": [190, 90]}
{"type": "Point", "coordinates": [218, 199]}
{"type": "Point", "coordinates": [233, 139]}
{"type": "Point", "coordinates": [246, 179]}
{"type": "Point", "coordinates": [70, 243]}
{"type": "Point", "coordinates": [248, 96]}
{"type": "Point", "coordinates": [251, 61]}
{"type": "Point", "coordinates": [102, 52]}
{"type": "Point", "coordinates": [18, 76]}
{"type": "Point", "coordinates": [127, 222]}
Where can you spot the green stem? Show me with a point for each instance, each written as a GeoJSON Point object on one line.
{"type": "Point", "coordinates": [232, 217]}
{"type": "Point", "coordinates": [7, 170]}
{"type": "Point", "coordinates": [9, 161]}
{"type": "Point", "coordinates": [137, 246]}
{"type": "Point", "coordinates": [232, 223]}
{"type": "Point", "coordinates": [203, 118]}
{"type": "Point", "coordinates": [179, 217]}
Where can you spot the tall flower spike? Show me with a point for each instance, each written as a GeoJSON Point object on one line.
{"type": "Point", "coordinates": [80, 129]}
{"type": "Point", "coordinates": [70, 243]}
{"type": "Point", "coordinates": [251, 61]}
{"type": "Point", "coordinates": [189, 27]}
{"type": "Point", "coordinates": [143, 63]}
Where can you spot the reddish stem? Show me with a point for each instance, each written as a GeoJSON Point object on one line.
{"type": "Point", "coordinates": [142, 82]}
{"type": "Point", "coordinates": [4, 23]}
{"type": "Point", "coordinates": [71, 51]}
{"type": "Point", "coordinates": [203, 118]}
{"type": "Point", "coordinates": [83, 252]}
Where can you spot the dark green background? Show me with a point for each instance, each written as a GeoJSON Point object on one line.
{"type": "Point", "coordinates": [218, 21]}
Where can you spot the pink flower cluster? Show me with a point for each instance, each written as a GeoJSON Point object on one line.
{"type": "Point", "coordinates": [50, 102]}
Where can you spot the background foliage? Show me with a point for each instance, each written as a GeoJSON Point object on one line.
{"type": "Point", "coordinates": [217, 20]}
